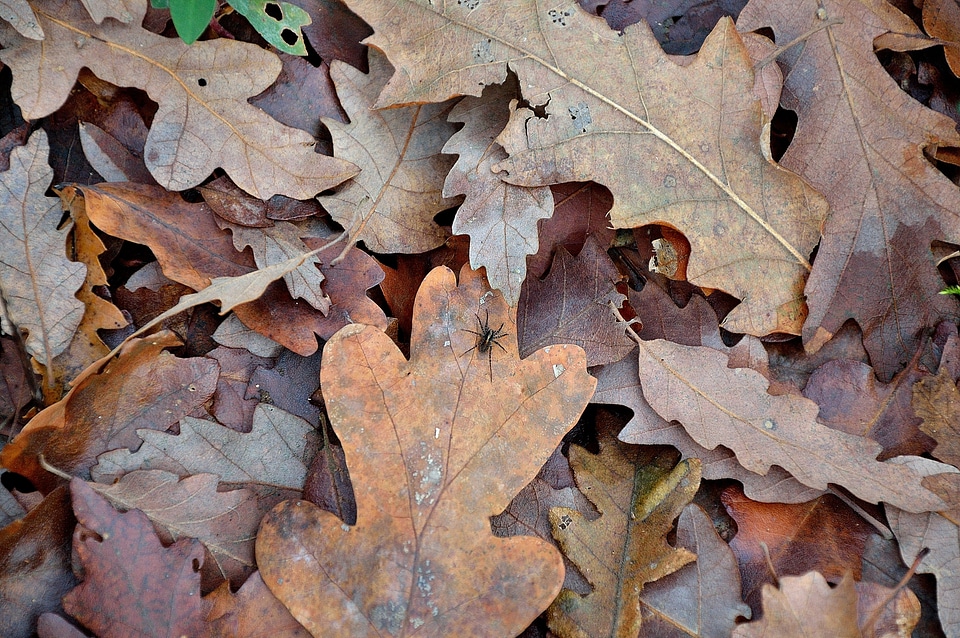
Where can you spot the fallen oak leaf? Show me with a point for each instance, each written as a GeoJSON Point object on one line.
{"type": "Point", "coordinates": [391, 204]}
{"type": "Point", "coordinates": [144, 387]}
{"type": "Point", "coordinates": [860, 141]}
{"type": "Point", "coordinates": [204, 120]}
{"type": "Point", "coordinates": [37, 281]}
{"type": "Point", "coordinates": [646, 136]}
{"type": "Point", "coordinates": [718, 405]}
{"type": "Point", "coordinates": [275, 453]}
{"type": "Point", "coordinates": [639, 493]}
{"type": "Point", "coordinates": [435, 447]}
{"type": "Point", "coordinates": [806, 606]}
{"type": "Point", "coordinates": [500, 218]}
{"type": "Point", "coordinates": [667, 606]}
{"type": "Point", "coordinates": [158, 594]}
{"type": "Point", "coordinates": [225, 522]}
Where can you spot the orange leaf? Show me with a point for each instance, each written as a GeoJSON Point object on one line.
{"type": "Point", "coordinates": [434, 447]}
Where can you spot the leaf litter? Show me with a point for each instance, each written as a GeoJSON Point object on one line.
{"type": "Point", "coordinates": [607, 197]}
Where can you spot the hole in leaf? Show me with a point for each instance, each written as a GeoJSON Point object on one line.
{"type": "Point", "coordinates": [782, 129]}
{"type": "Point", "coordinates": [289, 37]}
{"type": "Point", "coordinates": [272, 9]}
{"type": "Point", "coordinates": [202, 82]}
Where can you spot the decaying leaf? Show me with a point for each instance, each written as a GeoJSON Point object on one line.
{"type": "Point", "coordinates": [572, 305]}
{"type": "Point", "coordinates": [162, 583]}
{"type": "Point", "coordinates": [225, 522]}
{"type": "Point", "coordinates": [276, 453]}
{"type": "Point", "coordinates": [822, 535]}
{"type": "Point", "coordinates": [253, 612]}
{"type": "Point", "coordinates": [435, 446]}
{"type": "Point", "coordinates": [806, 606]}
{"type": "Point", "coordinates": [37, 281]}
{"type": "Point", "coordinates": [637, 124]}
{"type": "Point", "coordinates": [937, 401]}
{"type": "Point", "coordinates": [702, 598]}
{"type": "Point", "coordinates": [391, 204]}
{"type": "Point", "coordinates": [860, 141]}
{"type": "Point", "coordinates": [639, 492]}
{"type": "Point", "coordinates": [725, 406]}
{"type": "Point", "coordinates": [204, 120]}
{"type": "Point", "coordinates": [278, 243]}
{"type": "Point", "coordinates": [500, 218]}
{"type": "Point", "coordinates": [144, 387]}
{"type": "Point", "coordinates": [35, 564]}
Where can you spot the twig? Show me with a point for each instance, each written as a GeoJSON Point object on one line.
{"type": "Point", "coordinates": [880, 527]}
{"type": "Point", "coordinates": [776, 53]}
{"type": "Point", "coordinates": [867, 628]}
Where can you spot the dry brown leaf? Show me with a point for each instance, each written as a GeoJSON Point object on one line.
{"type": "Point", "coordinates": [725, 406]}
{"type": "Point", "coordinates": [143, 388]}
{"type": "Point", "coordinates": [806, 606]}
{"type": "Point", "coordinates": [940, 533]}
{"type": "Point", "coordinates": [434, 449]}
{"type": "Point", "coordinates": [391, 204]}
{"type": "Point", "coordinates": [500, 218]}
{"type": "Point", "coordinates": [253, 612]}
{"type": "Point", "coordinates": [572, 305]}
{"type": "Point", "coordinates": [37, 281]}
{"type": "Point", "coordinates": [860, 141]}
{"type": "Point", "coordinates": [941, 19]}
{"type": "Point", "coordinates": [133, 585]}
{"type": "Point", "coordinates": [225, 522]}
{"type": "Point", "coordinates": [937, 401]}
{"type": "Point", "coordinates": [701, 599]}
{"type": "Point", "coordinates": [639, 124]}
{"type": "Point", "coordinates": [779, 539]}
{"type": "Point", "coordinates": [280, 242]}
{"type": "Point", "coordinates": [99, 314]}
{"type": "Point", "coordinates": [22, 18]}
{"type": "Point", "coordinates": [204, 120]}
{"type": "Point", "coordinates": [619, 384]}
{"type": "Point", "coordinates": [35, 564]}
{"type": "Point", "coordinates": [639, 492]}
{"type": "Point", "coordinates": [276, 452]}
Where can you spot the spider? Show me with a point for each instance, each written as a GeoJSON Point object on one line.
{"type": "Point", "coordinates": [487, 337]}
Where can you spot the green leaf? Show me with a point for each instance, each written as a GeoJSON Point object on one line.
{"type": "Point", "coordinates": [191, 17]}
{"type": "Point", "coordinates": [951, 290]}
{"type": "Point", "coordinates": [278, 22]}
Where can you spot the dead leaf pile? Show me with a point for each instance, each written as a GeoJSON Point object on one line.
{"type": "Point", "coordinates": [486, 318]}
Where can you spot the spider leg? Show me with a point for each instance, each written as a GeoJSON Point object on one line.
{"type": "Point", "coordinates": [490, 362]}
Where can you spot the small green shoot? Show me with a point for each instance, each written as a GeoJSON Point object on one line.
{"type": "Point", "coordinates": [951, 290]}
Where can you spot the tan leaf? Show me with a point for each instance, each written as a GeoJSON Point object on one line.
{"type": "Point", "coordinates": [860, 141]}
{"type": "Point", "coordinates": [277, 243]}
{"type": "Point", "coordinates": [699, 599]}
{"type": "Point", "coordinates": [37, 280]}
{"type": "Point", "coordinates": [276, 452]}
{"type": "Point", "coordinates": [121, 10]}
{"type": "Point", "coordinates": [725, 406]}
{"type": "Point", "coordinates": [937, 401]}
{"type": "Point", "coordinates": [99, 314]}
{"type": "Point", "coordinates": [434, 450]}
{"type": "Point", "coordinates": [21, 17]}
{"type": "Point", "coordinates": [225, 522]}
{"type": "Point", "coordinates": [391, 204]}
{"type": "Point", "coordinates": [806, 606]}
{"type": "Point", "coordinates": [203, 121]}
{"type": "Point", "coordinates": [500, 218]}
{"type": "Point", "coordinates": [639, 492]}
{"type": "Point", "coordinates": [637, 124]}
